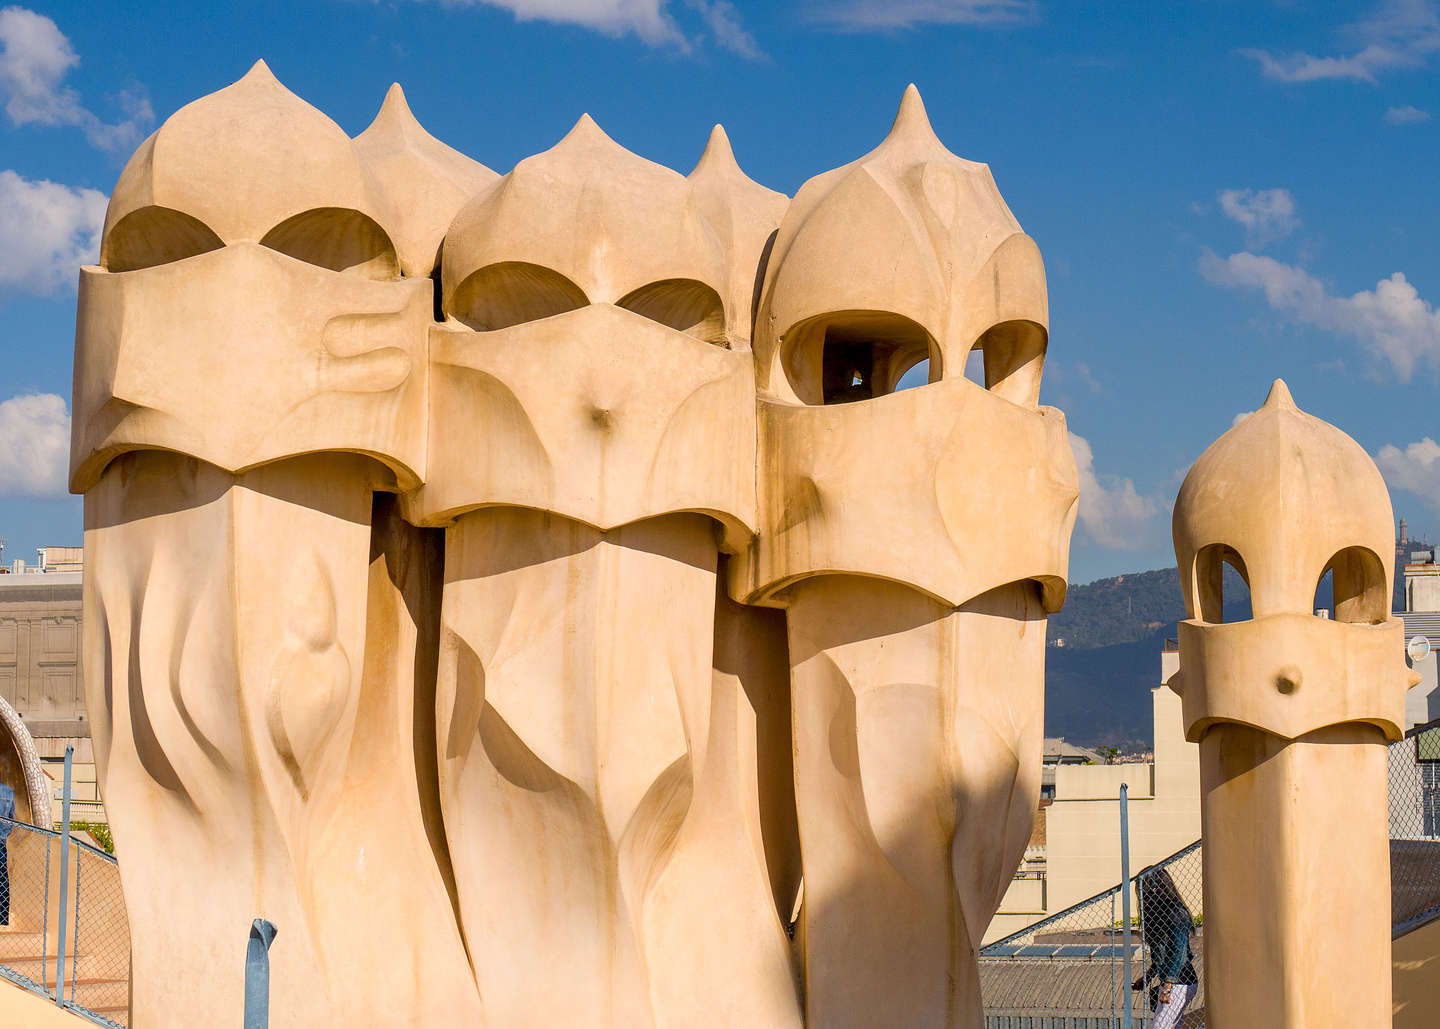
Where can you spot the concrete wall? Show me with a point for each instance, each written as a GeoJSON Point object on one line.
{"type": "Point", "coordinates": [1102, 782]}
{"type": "Point", "coordinates": [1422, 587]}
{"type": "Point", "coordinates": [40, 646]}
{"type": "Point", "coordinates": [1082, 834]}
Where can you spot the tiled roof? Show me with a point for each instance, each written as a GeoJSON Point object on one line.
{"type": "Point", "coordinates": [1069, 986]}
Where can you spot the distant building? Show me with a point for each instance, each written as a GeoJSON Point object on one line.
{"type": "Point", "coordinates": [1057, 752]}
{"type": "Point", "coordinates": [1422, 634]}
{"type": "Point", "coordinates": [61, 559]}
{"type": "Point", "coordinates": [1075, 852]}
{"type": "Point", "coordinates": [40, 650]}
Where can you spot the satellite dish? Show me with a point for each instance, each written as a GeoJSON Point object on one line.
{"type": "Point", "coordinates": [1418, 648]}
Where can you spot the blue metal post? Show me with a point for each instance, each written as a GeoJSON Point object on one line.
{"type": "Point", "coordinates": [64, 881]}
{"type": "Point", "coordinates": [257, 974]}
{"type": "Point", "coordinates": [1125, 901]}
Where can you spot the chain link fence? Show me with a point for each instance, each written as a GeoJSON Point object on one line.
{"type": "Point", "coordinates": [1170, 899]}
{"type": "Point", "coordinates": [1069, 970]}
{"type": "Point", "coordinates": [1415, 828]}
{"type": "Point", "coordinates": [1065, 972]}
{"type": "Point", "coordinates": [94, 935]}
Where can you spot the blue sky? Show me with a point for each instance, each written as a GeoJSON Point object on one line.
{"type": "Point", "coordinates": [1224, 192]}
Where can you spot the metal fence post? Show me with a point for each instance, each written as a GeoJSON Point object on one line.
{"type": "Point", "coordinates": [45, 913]}
{"type": "Point", "coordinates": [1125, 901]}
{"type": "Point", "coordinates": [64, 881]}
{"type": "Point", "coordinates": [257, 974]}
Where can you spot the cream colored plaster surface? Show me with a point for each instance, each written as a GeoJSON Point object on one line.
{"type": "Point", "coordinates": [262, 773]}
{"type": "Point", "coordinates": [250, 162]}
{"type": "Point", "coordinates": [509, 428]}
{"type": "Point", "coordinates": [1292, 713]}
{"type": "Point", "coordinates": [586, 222]}
{"type": "Point", "coordinates": [835, 472]}
{"type": "Point", "coordinates": [25, 1010]}
{"type": "Point", "coordinates": [424, 182]}
{"type": "Point", "coordinates": [917, 736]}
{"type": "Point", "coordinates": [941, 254]}
{"type": "Point", "coordinates": [743, 214]}
{"type": "Point", "coordinates": [515, 654]}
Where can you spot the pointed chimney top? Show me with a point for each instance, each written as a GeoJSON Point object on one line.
{"type": "Point", "coordinates": [585, 128]}
{"type": "Point", "coordinates": [260, 71]}
{"type": "Point", "coordinates": [395, 100]}
{"type": "Point", "coordinates": [719, 156]}
{"type": "Point", "coordinates": [911, 119]}
{"type": "Point", "coordinates": [394, 116]}
{"type": "Point", "coordinates": [1280, 396]}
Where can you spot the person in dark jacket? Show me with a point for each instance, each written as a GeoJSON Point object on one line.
{"type": "Point", "coordinates": [1165, 926]}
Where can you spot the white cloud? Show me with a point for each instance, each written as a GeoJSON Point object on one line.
{"type": "Point", "coordinates": [35, 57]}
{"type": "Point", "coordinates": [648, 20]}
{"type": "Point", "coordinates": [903, 14]}
{"type": "Point", "coordinates": [1407, 115]}
{"type": "Point", "coordinates": [1265, 214]}
{"type": "Point", "coordinates": [723, 21]}
{"type": "Point", "coordinates": [1400, 34]}
{"type": "Point", "coordinates": [47, 231]}
{"type": "Point", "coordinates": [1392, 321]}
{"type": "Point", "coordinates": [1240, 418]}
{"type": "Point", "coordinates": [1083, 373]}
{"type": "Point", "coordinates": [1112, 513]}
{"type": "Point", "coordinates": [34, 445]}
{"type": "Point", "coordinates": [1416, 469]}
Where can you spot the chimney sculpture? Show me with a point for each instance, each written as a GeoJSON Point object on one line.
{"type": "Point", "coordinates": [468, 597]}
{"type": "Point", "coordinates": [1292, 713]}
{"type": "Point", "coordinates": [917, 649]}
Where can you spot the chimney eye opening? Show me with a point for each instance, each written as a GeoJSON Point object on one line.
{"type": "Point", "coordinates": [339, 239]}
{"type": "Point", "coordinates": [1361, 594]}
{"type": "Point", "coordinates": [1210, 565]}
{"type": "Point", "coordinates": [154, 236]}
{"type": "Point", "coordinates": [846, 356]}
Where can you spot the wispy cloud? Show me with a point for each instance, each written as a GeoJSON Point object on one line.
{"type": "Point", "coordinates": [723, 21]}
{"type": "Point", "coordinates": [1265, 214]}
{"type": "Point", "coordinates": [34, 445]}
{"type": "Point", "coordinates": [650, 21]}
{"type": "Point", "coordinates": [1112, 512]}
{"type": "Point", "coordinates": [47, 230]}
{"type": "Point", "coordinates": [1407, 115]}
{"type": "Point", "coordinates": [1416, 469]}
{"type": "Point", "coordinates": [35, 58]}
{"type": "Point", "coordinates": [1400, 34]}
{"type": "Point", "coordinates": [1240, 418]}
{"type": "Point", "coordinates": [861, 15]}
{"type": "Point", "coordinates": [1392, 322]}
